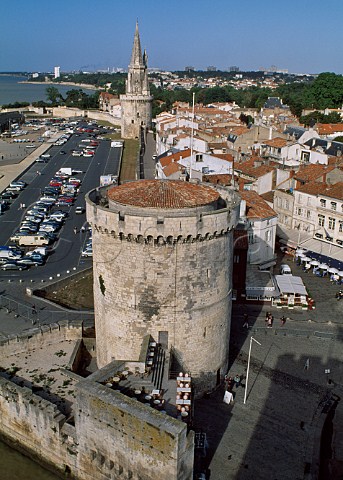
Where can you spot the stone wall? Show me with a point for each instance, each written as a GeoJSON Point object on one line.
{"type": "Point", "coordinates": [66, 112]}
{"type": "Point", "coordinates": [41, 337]}
{"type": "Point", "coordinates": [36, 426]}
{"type": "Point", "coordinates": [114, 437]}
{"type": "Point", "coordinates": [136, 112]}
{"type": "Point", "coordinates": [121, 438]}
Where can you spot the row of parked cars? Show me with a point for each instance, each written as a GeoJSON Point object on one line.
{"type": "Point", "coordinates": [42, 222]}
{"type": "Point", "coordinates": [14, 258]}
{"type": "Point", "coordinates": [11, 192]}
{"type": "Point", "coordinates": [87, 148]}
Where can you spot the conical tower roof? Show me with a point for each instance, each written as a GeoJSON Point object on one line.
{"type": "Point", "coordinates": [136, 56]}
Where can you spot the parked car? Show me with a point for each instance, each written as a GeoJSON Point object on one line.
{"type": "Point", "coordinates": [88, 252]}
{"type": "Point", "coordinates": [285, 269]}
{"type": "Point", "coordinates": [13, 266]}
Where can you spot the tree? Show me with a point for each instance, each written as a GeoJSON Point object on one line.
{"type": "Point", "coordinates": [53, 95]}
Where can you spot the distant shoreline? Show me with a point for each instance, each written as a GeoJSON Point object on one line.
{"type": "Point", "coordinates": [72, 84]}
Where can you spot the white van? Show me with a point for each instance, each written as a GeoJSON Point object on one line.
{"type": "Point", "coordinates": [285, 270]}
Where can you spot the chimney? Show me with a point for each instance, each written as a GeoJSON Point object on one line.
{"type": "Point", "coordinates": [291, 173]}
{"type": "Point", "coordinates": [270, 133]}
{"type": "Point", "coordinates": [240, 184]}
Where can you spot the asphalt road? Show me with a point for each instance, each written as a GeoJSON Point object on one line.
{"type": "Point", "coordinates": [66, 251]}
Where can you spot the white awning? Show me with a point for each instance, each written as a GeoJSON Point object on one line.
{"type": "Point", "coordinates": [290, 284]}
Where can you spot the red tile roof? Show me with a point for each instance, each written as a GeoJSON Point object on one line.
{"type": "Point", "coordinates": [256, 207]}
{"type": "Point", "coordinates": [172, 168]}
{"type": "Point", "coordinates": [163, 194]}
{"type": "Point", "coordinates": [253, 168]}
{"type": "Point", "coordinates": [276, 142]}
{"type": "Point", "coordinates": [313, 171]}
{"type": "Point", "coordinates": [221, 179]}
{"type": "Point", "coordinates": [322, 189]}
{"type": "Point", "coordinates": [175, 157]}
{"type": "Point", "coordinates": [328, 128]}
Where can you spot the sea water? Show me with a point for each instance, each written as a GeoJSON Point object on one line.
{"type": "Point", "coordinates": [11, 90]}
{"type": "Point", "coordinates": [15, 466]}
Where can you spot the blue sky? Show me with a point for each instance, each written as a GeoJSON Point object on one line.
{"type": "Point", "coordinates": [303, 36]}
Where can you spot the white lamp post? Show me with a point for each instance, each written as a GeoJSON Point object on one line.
{"type": "Point", "coordinates": [246, 380]}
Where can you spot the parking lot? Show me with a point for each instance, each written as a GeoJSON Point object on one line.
{"type": "Point", "coordinates": [72, 234]}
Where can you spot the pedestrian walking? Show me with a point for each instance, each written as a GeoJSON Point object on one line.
{"type": "Point", "coordinates": [307, 364]}
{"type": "Point", "coordinates": [245, 321]}
{"type": "Point", "coordinates": [33, 310]}
{"type": "Point", "coordinates": [282, 320]}
{"type": "Point", "coordinates": [75, 230]}
{"type": "Point", "coordinates": [267, 316]}
{"type": "Point", "coordinates": [270, 321]}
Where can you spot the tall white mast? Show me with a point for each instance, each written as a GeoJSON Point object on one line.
{"type": "Point", "coordinates": [192, 131]}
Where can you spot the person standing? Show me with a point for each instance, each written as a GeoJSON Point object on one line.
{"type": "Point", "coordinates": [245, 321]}
{"type": "Point", "coordinates": [237, 380]}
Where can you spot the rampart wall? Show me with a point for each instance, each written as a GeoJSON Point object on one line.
{"type": "Point", "coordinates": [40, 337]}
{"type": "Point", "coordinates": [122, 438]}
{"type": "Point", "coordinates": [113, 437]}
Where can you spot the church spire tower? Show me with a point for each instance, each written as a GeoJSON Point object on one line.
{"type": "Point", "coordinates": [137, 102]}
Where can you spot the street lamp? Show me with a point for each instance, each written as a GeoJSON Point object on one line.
{"type": "Point", "coordinates": [246, 380]}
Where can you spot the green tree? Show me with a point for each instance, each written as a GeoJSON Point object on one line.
{"type": "Point", "coordinates": [53, 95]}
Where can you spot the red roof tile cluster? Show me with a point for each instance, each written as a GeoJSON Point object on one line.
{"type": "Point", "coordinates": [276, 142]}
{"type": "Point", "coordinates": [163, 194]}
{"type": "Point", "coordinates": [256, 207]}
{"type": "Point", "coordinates": [175, 157]}
{"type": "Point", "coordinates": [253, 168]}
{"type": "Point", "coordinates": [218, 179]}
{"type": "Point", "coordinates": [329, 128]}
{"type": "Point", "coordinates": [323, 189]}
{"type": "Point", "coordinates": [313, 171]}
{"type": "Point", "coordinates": [238, 130]}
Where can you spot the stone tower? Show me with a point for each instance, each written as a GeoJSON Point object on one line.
{"type": "Point", "coordinates": [162, 262]}
{"type": "Point", "coordinates": [136, 104]}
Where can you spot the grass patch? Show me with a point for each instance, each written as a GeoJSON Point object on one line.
{"type": "Point", "coordinates": [77, 294]}
{"type": "Point", "coordinates": [129, 162]}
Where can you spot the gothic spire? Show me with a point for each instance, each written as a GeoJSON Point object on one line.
{"type": "Point", "coordinates": [136, 57]}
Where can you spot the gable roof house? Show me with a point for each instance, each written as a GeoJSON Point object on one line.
{"type": "Point", "coordinates": [256, 174]}
{"type": "Point", "coordinates": [261, 222]}
{"type": "Point", "coordinates": [199, 164]}
{"type": "Point", "coordinates": [242, 139]}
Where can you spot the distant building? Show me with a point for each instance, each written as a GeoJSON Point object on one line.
{"type": "Point", "coordinates": [189, 69]}
{"type": "Point", "coordinates": [211, 68]}
{"type": "Point", "coordinates": [57, 73]}
{"type": "Point", "coordinates": [233, 69]}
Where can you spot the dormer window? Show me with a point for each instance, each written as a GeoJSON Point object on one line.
{"type": "Point", "coordinates": [322, 203]}
{"type": "Point", "coordinates": [333, 206]}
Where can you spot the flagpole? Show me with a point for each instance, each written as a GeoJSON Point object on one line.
{"type": "Point", "coordinates": [246, 380]}
{"type": "Point", "coordinates": [192, 131]}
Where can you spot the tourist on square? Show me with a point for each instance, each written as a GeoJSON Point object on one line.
{"type": "Point", "coordinates": [283, 320]}
{"type": "Point", "coordinates": [270, 321]}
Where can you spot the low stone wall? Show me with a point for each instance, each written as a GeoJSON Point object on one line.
{"type": "Point", "coordinates": [41, 337]}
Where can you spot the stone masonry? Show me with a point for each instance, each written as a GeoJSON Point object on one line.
{"type": "Point", "coordinates": [165, 273]}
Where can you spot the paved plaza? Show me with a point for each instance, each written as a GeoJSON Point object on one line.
{"type": "Point", "coordinates": [293, 375]}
